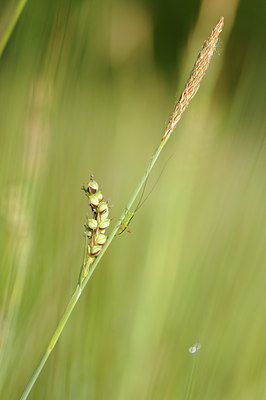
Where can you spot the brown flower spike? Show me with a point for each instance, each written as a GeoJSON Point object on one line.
{"type": "Point", "coordinates": [195, 78]}
{"type": "Point", "coordinates": [95, 239]}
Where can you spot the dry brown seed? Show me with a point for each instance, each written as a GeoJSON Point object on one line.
{"type": "Point", "coordinates": [195, 78]}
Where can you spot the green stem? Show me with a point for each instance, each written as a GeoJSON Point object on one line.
{"type": "Point", "coordinates": [187, 94]}
{"type": "Point", "coordinates": [128, 207]}
{"type": "Point", "coordinates": [52, 342]}
{"type": "Point", "coordinates": [81, 287]}
{"type": "Point", "coordinates": [11, 25]}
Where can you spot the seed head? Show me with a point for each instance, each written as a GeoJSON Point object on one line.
{"type": "Point", "coordinates": [95, 226]}
{"type": "Point", "coordinates": [195, 78]}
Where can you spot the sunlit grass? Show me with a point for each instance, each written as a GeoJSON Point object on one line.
{"type": "Point", "coordinates": [191, 270]}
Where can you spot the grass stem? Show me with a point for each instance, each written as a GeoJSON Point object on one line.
{"type": "Point", "coordinates": [187, 94]}
{"type": "Point", "coordinates": [11, 26]}
{"type": "Point", "coordinates": [52, 342]}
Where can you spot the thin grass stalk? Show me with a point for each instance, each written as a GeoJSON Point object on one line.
{"type": "Point", "coordinates": [53, 341]}
{"type": "Point", "coordinates": [11, 26]}
{"type": "Point", "coordinates": [187, 94]}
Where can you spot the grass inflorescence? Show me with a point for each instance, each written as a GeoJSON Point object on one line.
{"type": "Point", "coordinates": [95, 227]}
{"type": "Point", "coordinates": [96, 240]}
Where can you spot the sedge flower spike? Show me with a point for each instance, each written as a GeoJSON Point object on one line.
{"type": "Point", "coordinates": [95, 227]}
{"type": "Point", "coordinates": [95, 239]}
{"type": "Point", "coordinates": [193, 83]}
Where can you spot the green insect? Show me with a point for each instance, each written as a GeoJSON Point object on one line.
{"type": "Point", "coordinates": [130, 214]}
{"type": "Point", "coordinates": [126, 221]}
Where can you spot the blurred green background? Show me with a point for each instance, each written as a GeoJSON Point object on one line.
{"type": "Point", "coordinates": [88, 86]}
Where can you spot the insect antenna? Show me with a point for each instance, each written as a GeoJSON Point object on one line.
{"type": "Point", "coordinates": [140, 203]}
{"type": "Point", "coordinates": [141, 197]}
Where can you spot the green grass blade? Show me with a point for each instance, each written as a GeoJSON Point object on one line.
{"type": "Point", "coordinates": [11, 26]}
